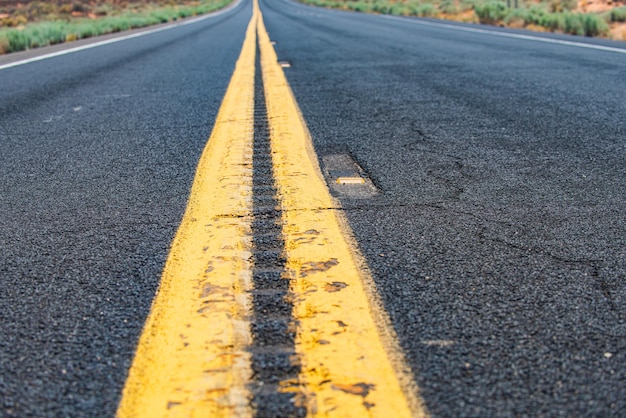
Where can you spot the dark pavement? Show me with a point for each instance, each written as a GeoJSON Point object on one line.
{"type": "Point", "coordinates": [97, 154]}
{"type": "Point", "coordinates": [497, 238]}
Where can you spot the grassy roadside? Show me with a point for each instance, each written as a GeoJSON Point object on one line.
{"type": "Point", "coordinates": [561, 16]}
{"type": "Point", "coordinates": [34, 24]}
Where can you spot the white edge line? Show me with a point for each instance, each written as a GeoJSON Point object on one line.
{"type": "Point", "coordinates": [122, 38]}
{"type": "Point", "coordinates": [508, 35]}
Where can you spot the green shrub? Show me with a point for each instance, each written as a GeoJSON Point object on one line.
{"type": "Point", "coordinates": [18, 41]}
{"type": "Point", "coordinates": [492, 12]}
{"type": "Point", "coordinates": [159, 16]}
{"type": "Point", "coordinates": [574, 24]}
{"type": "Point", "coordinates": [534, 14]}
{"type": "Point", "coordinates": [382, 6]}
{"type": "Point", "coordinates": [184, 12]}
{"type": "Point", "coordinates": [133, 21]}
{"type": "Point", "coordinates": [398, 9]}
{"type": "Point", "coordinates": [595, 25]}
{"type": "Point", "coordinates": [552, 21]}
{"type": "Point", "coordinates": [44, 33]}
{"type": "Point", "coordinates": [117, 24]}
{"type": "Point", "coordinates": [86, 30]}
{"type": "Point", "coordinates": [516, 15]}
{"type": "Point", "coordinates": [425, 10]}
{"type": "Point", "coordinates": [360, 6]}
{"type": "Point", "coordinates": [618, 14]}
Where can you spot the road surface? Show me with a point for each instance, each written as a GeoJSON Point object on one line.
{"type": "Point", "coordinates": [493, 230]}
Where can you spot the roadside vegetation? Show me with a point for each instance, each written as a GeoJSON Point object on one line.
{"type": "Point", "coordinates": [603, 18]}
{"type": "Point", "coordinates": [28, 24]}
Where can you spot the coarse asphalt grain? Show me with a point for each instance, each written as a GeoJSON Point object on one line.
{"type": "Point", "coordinates": [98, 150]}
{"type": "Point", "coordinates": [497, 240]}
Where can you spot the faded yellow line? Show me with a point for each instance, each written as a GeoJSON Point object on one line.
{"type": "Point", "coordinates": [348, 369]}
{"type": "Point", "coordinates": [191, 359]}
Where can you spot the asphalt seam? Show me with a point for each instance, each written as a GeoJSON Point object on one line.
{"type": "Point", "coordinates": [275, 364]}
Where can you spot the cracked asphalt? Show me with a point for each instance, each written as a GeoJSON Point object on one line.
{"type": "Point", "coordinates": [496, 239]}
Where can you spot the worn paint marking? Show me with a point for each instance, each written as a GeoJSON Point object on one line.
{"type": "Point", "coordinates": [346, 369]}
{"type": "Point", "coordinates": [191, 359]}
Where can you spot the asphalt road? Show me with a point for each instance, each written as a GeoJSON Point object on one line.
{"type": "Point", "coordinates": [98, 152]}
{"type": "Point", "coordinates": [496, 238]}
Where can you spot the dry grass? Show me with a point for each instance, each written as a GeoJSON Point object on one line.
{"type": "Point", "coordinates": [618, 32]}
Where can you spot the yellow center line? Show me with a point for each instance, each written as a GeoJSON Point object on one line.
{"type": "Point", "coordinates": [193, 356]}
{"type": "Point", "coordinates": [348, 370]}
{"type": "Point", "coordinates": [191, 359]}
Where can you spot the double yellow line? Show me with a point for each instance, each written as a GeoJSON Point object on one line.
{"type": "Point", "coordinates": [192, 357]}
